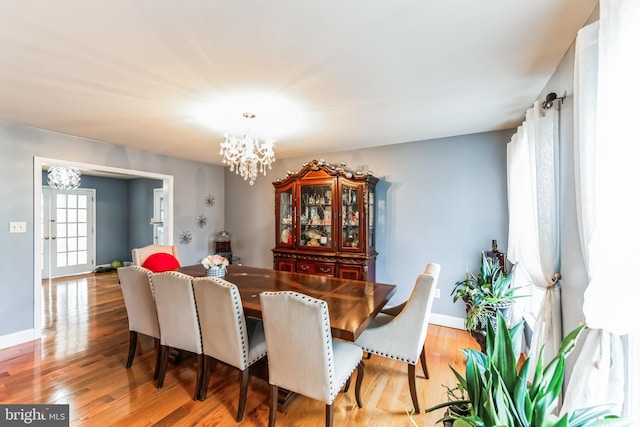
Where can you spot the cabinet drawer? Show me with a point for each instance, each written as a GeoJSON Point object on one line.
{"type": "Point", "coordinates": [350, 272]}
{"type": "Point", "coordinates": [285, 265]}
{"type": "Point", "coordinates": [316, 268]}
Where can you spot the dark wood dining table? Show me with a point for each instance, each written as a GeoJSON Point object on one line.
{"type": "Point", "coordinates": [352, 303]}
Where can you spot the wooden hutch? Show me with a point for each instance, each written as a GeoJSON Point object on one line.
{"type": "Point", "coordinates": [325, 222]}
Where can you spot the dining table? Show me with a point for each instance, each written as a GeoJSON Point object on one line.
{"type": "Point", "coordinates": [352, 304]}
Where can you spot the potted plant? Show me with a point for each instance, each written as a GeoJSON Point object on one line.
{"type": "Point", "coordinates": [495, 392]}
{"type": "Point", "coordinates": [484, 295]}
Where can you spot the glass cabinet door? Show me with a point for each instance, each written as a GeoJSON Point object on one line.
{"type": "Point", "coordinates": [316, 215]}
{"type": "Point", "coordinates": [350, 218]}
{"type": "Point", "coordinates": [371, 226]}
{"type": "Point", "coordinates": [285, 225]}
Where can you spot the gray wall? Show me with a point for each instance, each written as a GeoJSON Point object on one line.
{"type": "Point", "coordinates": [112, 221]}
{"type": "Point", "coordinates": [140, 210]}
{"type": "Point", "coordinates": [19, 144]}
{"type": "Point", "coordinates": [438, 201]}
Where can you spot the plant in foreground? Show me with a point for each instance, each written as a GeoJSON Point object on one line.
{"type": "Point", "coordinates": [495, 391]}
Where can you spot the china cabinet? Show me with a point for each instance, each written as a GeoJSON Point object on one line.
{"type": "Point", "coordinates": [325, 221]}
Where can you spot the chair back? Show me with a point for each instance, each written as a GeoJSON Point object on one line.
{"type": "Point", "coordinates": [402, 337]}
{"type": "Point", "coordinates": [177, 314]}
{"type": "Point", "coordinates": [299, 345]}
{"type": "Point", "coordinates": [414, 318]}
{"type": "Point", "coordinates": [224, 328]}
{"type": "Point", "coordinates": [138, 300]}
{"type": "Point", "coordinates": [140, 255]}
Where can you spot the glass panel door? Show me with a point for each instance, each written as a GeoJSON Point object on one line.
{"type": "Point", "coordinates": [68, 232]}
{"type": "Point", "coordinates": [285, 230]}
{"type": "Point", "coordinates": [316, 216]}
{"type": "Point", "coordinates": [371, 207]}
{"type": "Point", "coordinates": [350, 211]}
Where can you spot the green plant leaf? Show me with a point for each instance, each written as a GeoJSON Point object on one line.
{"type": "Point", "coordinates": [475, 377]}
{"type": "Point", "coordinates": [546, 398]}
{"type": "Point", "coordinates": [505, 409]}
{"type": "Point", "coordinates": [581, 416]}
{"type": "Point", "coordinates": [521, 398]}
{"type": "Point", "coordinates": [502, 353]}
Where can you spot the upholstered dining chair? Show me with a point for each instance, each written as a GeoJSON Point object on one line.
{"type": "Point", "coordinates": [156, 258]}
{"type": "Point", "coordinates": [141, 308]}
{"type": "Point", "coordinates": [178, 319]}
{"type": "Point", "coordinates": [226, 335]}
{"type": "Point", "coordinates": [301, 355]}
{"type": "Point", "coordinates": [401, 334]}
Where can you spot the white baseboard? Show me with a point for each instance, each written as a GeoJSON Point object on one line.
{"type": "Point", "coordinates": [17, 338]}
{"type": "Point", "coordinates": [448, 321]}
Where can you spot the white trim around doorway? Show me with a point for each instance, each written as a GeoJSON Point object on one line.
{"type": "Point", "coordinates": [38, 164]}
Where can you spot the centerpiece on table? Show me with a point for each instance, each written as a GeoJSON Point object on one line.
{"type": "Point", "coordinates": [216, 265]}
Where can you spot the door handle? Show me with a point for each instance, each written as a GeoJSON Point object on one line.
{"type": "Point", "coordinates": [46, 237]}
{"type": "Point", "coordinates": [53, 237]}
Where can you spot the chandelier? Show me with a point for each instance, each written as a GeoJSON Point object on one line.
{"type": "Point", "coordinates": [246, 154]}
{"type": "Point", "coordinates": [63, 177]}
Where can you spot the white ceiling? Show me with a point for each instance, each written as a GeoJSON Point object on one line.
{"type": "Point", "coordinates": [352, 73]}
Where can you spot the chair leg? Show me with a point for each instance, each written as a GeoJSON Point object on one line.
{"type": "Point", "coordinates": [197, 394]}
{"type": "Point", "coordinates": [412, 387]}
{"type": "Point", "coordinates": [206, 372]}
{"type": "Point", "coordinates": [133, 340]}
{"type": "Point", "coordinates": [329, 416]}
{"type": "Point", "coordinates": [244, 385]}
{"type": "Point", "coordinates": [423, 359]}
{"type": "Point", "coordinates": [347, 384]}
{"type": "Point", "coordinates": [158, 357]}
{"type": "Point", "coordinates": [359, 383]}
{"type": "Point", "coordinates": [164, 359]}
{"type": "Point", "coordinates": [273, 405]}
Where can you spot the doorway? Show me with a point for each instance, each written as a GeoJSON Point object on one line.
{"type": "Point", "coordinates": [68, 232]}
{"type": "Point", "coordinates": [42, 163]}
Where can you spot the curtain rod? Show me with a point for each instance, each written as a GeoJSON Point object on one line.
{"type": "Point", "coordinates": [551, 97]}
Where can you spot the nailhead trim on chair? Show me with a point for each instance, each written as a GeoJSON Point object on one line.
{"type": "Point", "coordinates": [390, 356]}
{"type": "Point", "coordinates": [327, 329]}
{"type": "Point", "coordinates": [237, 304]}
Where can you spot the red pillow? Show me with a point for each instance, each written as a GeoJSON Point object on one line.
{"type": "Point", "coordinates": [161, 262]}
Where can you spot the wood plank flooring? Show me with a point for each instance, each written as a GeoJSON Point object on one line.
{"type": "Point", "coordinates": [80, 361]}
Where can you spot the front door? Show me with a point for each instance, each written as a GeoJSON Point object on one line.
{"type": "Point", "coordinates": [68, 232]}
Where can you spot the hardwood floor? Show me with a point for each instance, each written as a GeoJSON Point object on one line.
{"type": "Point", "coordinates": [81, 358]}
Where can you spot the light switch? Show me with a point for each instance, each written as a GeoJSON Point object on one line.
{"type": "Point", "coordinates": [17, 227]}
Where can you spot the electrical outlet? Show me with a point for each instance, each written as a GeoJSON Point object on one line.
{"type": "Point", "coordinates": [17, 227]}
{"type": "Point", "coordinates": [437, 293]}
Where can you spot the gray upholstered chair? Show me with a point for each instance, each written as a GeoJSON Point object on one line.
{"type": "Point", "coordinates": [302, 356]}
{"type": "Point", "coordinates": [140, 255]}
{"type": "Point", "coordinates": [401, 335]}
{"type": "Point", "coordinates": [178, 318]}
{"type": "Point", "coordinates": [141, 308]}
{"type": "Point", "coordinates": [226, 335]}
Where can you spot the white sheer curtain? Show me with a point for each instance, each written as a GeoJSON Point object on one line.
{"type": "Point", "coordinates": [607, 87]}
{"type": "Point", "coordinates": [533, 226]}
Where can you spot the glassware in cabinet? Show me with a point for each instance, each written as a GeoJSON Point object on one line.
{"type": "Point", "coordinates": [316, 215]}
{"type": "Point", "coordinates": [350, 217]}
